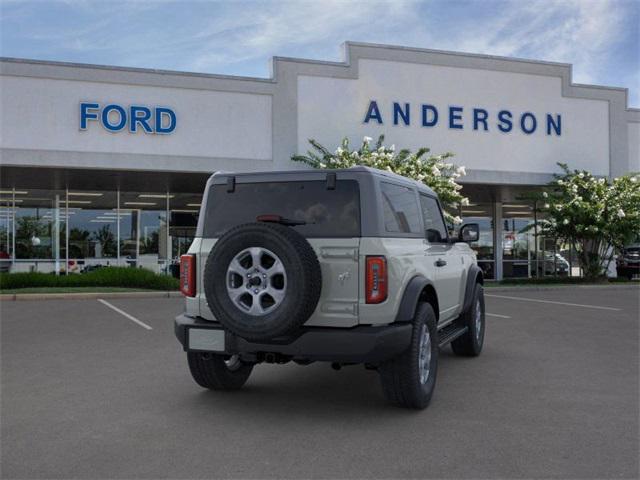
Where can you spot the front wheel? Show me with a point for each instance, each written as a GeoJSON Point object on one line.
{"type": "Point", "coordinates": [470, 344]}
{"type": "Point", "coordinates": [409, 379]}
{"type": "Point", "coordinates": [218, 372]}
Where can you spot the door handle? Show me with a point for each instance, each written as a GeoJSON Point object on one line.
{"type": "Point", "coordinates": [440, 263]}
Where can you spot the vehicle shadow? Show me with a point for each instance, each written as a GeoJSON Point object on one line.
{"type": "Point", "coordinates": [313, 390]}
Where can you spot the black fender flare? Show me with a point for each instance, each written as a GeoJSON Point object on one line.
{"type": "Point", "coordinates": [411, 297]}
{"type": "Point", "coordinates": [473, 276]}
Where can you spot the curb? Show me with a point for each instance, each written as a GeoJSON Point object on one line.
{"type": "Point", "coordinates": [86, 296]}
{"type": "Point", "coordinates": [545, 288]}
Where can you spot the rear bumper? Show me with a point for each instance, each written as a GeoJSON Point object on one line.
{"type": "Point", "coordinates": [361, 344]}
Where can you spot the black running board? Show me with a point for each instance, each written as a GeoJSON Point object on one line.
{"type": "Point", "coordinates": [449, 333]}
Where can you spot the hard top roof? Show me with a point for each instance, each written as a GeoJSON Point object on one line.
{"type": "Point", "coordinates": [272, 175]}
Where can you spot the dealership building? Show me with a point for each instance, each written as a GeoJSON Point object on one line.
{"type": "Point", "coordinates": [104, 165]}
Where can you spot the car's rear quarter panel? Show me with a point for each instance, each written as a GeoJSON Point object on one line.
{"type": "Point", "coordinates": [404, 261]}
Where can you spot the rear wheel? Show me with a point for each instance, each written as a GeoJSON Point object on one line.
{"type": "Point", "coordinates": [218, 372]}
{"type": "Point", "coordinates": [409, 379]}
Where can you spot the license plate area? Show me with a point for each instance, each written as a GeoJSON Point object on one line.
{"type": "Point", "coordinates": [206, 340]}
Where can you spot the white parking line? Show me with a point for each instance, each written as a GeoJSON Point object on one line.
{"type": "Point", "coordinates": [496, 315]}
{"type": "Point", "coordinates": [554, 302]}
{"type": "Point", "coordinates": [125, 314]}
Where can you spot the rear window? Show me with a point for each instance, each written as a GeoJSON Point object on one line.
{"type": "Point", "coordinates": [327, 213]}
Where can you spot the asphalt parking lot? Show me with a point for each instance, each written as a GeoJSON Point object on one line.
{"type": "Point", "coordinates": [88, 392]}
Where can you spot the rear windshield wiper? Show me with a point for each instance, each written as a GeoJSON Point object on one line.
{"type": "Point", "coordinates": [279, 219]}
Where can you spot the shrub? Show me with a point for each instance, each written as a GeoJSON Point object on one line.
{"type": "Point", "coordinates": [432, 170]}
{"type": "Point", "coordinates": [103, 277]}
{"type": "Point", "coordinates": [595, 215]}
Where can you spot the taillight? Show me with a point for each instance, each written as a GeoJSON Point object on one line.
{"type": "Point", "coordinates": [376, 280]}
{"type": "Point", "coordinates": [188, 275]}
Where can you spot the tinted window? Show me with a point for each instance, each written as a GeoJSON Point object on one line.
{"type": "Point", "coordinates": [435, 230]}
{"type": "Point", "coordinates": [328, 213]}
{"type": "Point", "coordinates": [400, 209]}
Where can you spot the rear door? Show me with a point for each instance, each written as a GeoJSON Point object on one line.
{"type": "Point", "coordinates": [442, 256]}
{"type": "Point", "coordinates": [329, 218]}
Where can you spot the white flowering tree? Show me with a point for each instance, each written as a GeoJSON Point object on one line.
{"type": "Point", "coordinates": [432, 170]}
{"type": "Point", "coordinates": [594, 215]}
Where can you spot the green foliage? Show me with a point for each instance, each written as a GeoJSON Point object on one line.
{"type": "Point", "coordinates": [105, 237]}
{"type": "Point", "coordinates": [595, 215]}
{"type": "Point", "coordinates": [432, 170]}
{"type": "Point", "coordinates": [102, 277]}
{"type": "Point", "coordinates": [28, 227]}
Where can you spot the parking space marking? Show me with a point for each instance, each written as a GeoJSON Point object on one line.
{"type": "Point", "coordinates": [496, 315]}
{"type": "Point", "coordinates": [554, 302]}
{"type": "Point", "coordinates": [125, 314]}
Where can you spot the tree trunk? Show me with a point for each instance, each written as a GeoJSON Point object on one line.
{"type": "Point", "coordinates": [590, 259]}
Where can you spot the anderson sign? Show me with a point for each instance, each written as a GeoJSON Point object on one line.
{"type": "Point", "coordinates": [459, 118]}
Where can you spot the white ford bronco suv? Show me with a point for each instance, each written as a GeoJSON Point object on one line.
{"type": "Point", "coordinates": [344, 266]}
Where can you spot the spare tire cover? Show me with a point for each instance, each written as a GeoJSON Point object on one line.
{"type": "Point", "coordinates": [262, 280]}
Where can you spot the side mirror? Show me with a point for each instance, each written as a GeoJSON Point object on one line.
{"type": "Point", "coordinates": [469, 232]}
{"type": "Point", "coordinates": [433, 236]}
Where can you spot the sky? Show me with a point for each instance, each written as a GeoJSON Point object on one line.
{"type": "Point", "coordinates": [601, 38]}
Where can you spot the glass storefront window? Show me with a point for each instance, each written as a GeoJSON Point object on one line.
{"type": "Point", "coordinates": [518, 240]}
{"type": "Point", "coordinates": [482, 214]}
{"type": "Point", "coordinates": [39, 230]}
{"type": "Point", "coordinates": [148, 218]}
{"type": "Point", "coordinates": [128, 236]}
{"type": "Point", "coordinates": [6, 230]}
{"type": "Point", "coordinates": [105, 228]}
{"type": "Point", "coordinates": [92, 230]}
{"type": "Point", "coordinates": [183, 219]}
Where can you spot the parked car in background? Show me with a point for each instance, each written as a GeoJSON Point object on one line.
{"type": "Point", "coordinates": [5, 262]}
{"type": "Point", "coordinates": [553, 264]}
{"type": "Point", "coordinates": [628, 262]}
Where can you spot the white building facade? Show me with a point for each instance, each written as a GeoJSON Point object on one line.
{"type": "Point", "coordinates": [106, 165]}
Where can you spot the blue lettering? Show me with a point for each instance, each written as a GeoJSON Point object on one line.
{"type": "Point", "coordinates": [523, 123]}
{"type": "Point", "coordinates": [105, 118]}
{"type": "Point", "coordinates": [162, 112]}
{"type": "Point", "coordinates": [455, 113]}
{"type": "Point", "coordinates": [399, 112]}
{"type": "Point", "coordinates": [139, 115]}
{"type": "Point", "coordinates": [504, 117]}
{"type": "Point", "coordinates": [373, 112]}
{"type": "Point", "coordinates": [480, 115]}
{"type": "Point", "coordinates": [557, 125]}
{"type": "Point", "coordinates": [425, 115]}
{"type": "Point", "coordinates": [85, 114]}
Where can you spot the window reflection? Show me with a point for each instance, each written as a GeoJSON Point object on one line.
{"type": "Point", "coordinates": [518, 239]}
{"type": "Point", "coordinates": [482, 214]}
{"type": "Point", "coordinates": [6, 231]}
{"type": "Point", "coordinates": [92, 229]}
{"type": "Point", "coordinates": [144, 229]}
{"type": "Point", "coordinates": [38, 224]}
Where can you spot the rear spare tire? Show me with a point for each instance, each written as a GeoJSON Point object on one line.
{"type": "Point", "coordinates": [262, 280]}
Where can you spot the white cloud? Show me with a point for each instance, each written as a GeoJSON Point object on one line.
{"type": "Point", "coordinates": [240, 37]}
{"type": "Point", "coordinates": [272, 27]}
{"type": "Point", "coordinates": [580, 32]}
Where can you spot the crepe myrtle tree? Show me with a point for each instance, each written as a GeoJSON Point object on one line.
{"type": "Point", "coordinates": [432, 170]}
{"type": "Point", "coordinates": [596, 216]}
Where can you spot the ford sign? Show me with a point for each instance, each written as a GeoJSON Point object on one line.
{"type": "Point", "coordinates": [134, 118]}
